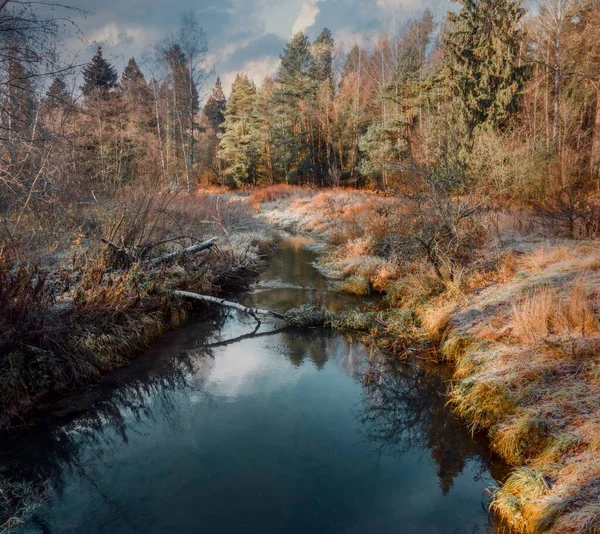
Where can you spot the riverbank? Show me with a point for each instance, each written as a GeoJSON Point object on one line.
{"type": "Point", "coordinates": [304, 402]}
{"type": "Point", "coordinates": [87, 308]}
{"type": "Point", "coordinates": [520, 324]}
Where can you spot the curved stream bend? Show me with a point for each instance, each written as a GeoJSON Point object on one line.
{"type": "Point", "coordinates": [221, 430]}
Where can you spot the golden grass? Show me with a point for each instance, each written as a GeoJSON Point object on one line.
{"type": "Point", "coordinates": [535, 387]}
{"type": "Point", "coordinates": [546, 312]}
{"type": "Point", "coordinates": [522, 332]}
{"type": "Point", "coordinates": [546, 255]}
{"type": "Point", "coordinates": [273, 192]}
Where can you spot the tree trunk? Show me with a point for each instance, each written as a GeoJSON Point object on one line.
{"type": "Point", "coordinates": [191, 147]}
{"type": "Point", "coordinates": [557, 76]}
{"type": "Point", "coordinates": [595, 155]}
{"type": "Point", "coordinates": [253, 312]}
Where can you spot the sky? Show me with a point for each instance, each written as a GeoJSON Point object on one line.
{"type": "Point", "coordinates": [243, 35]}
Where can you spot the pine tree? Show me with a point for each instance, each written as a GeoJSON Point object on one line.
{"type": "Point", "coordinates": [292, 133]}
{"type": "Point", "coordinates": [215, 107]}
{"type": "Point", "coordinates": [238, 140]}
{"type": "Point", "coordinates": [483, 69]}
{"type": "Point", "coordinates": [98, 75]}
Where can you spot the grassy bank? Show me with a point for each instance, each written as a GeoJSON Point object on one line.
{"type": "Point", "coordinates": [84, 308]}
{"type": "Point", "coordinates": [519, 320]}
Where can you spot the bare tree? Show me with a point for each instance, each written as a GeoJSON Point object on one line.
{"type": "Point", "coordinates": [183, 55]}
{"type": "Point", "coordinates": [556, 16]}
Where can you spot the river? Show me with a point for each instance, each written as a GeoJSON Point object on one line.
{"type": "Point", "coordinates": [216, 430]}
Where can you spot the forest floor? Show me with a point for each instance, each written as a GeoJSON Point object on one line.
{"type": "Point", "coordinates": [521, 326]}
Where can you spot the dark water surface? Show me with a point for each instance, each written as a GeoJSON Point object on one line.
{"type": "Point", "coordinates": [288, 432]}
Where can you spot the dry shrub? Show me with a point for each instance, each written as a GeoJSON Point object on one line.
{"type": "Point", "coordinates": [546, 312]}
{"type": "Point", "coordinates": [272, 193]}
{"type": "Point", "coordinates": [24, 294]}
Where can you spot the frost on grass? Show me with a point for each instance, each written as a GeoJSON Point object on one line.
{"type": "Point", "coordinates": [533, 385]}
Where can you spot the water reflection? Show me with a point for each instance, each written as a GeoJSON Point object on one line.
{"type": "Point", "coordinates": [230, 429]}
{"type": "Point", "coordinates": [401, 409]}
{"type": "Point", "coordinates": [406, 409]}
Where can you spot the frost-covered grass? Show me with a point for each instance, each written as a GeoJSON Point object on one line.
{"type": "Point", "coordinates": [360, 227]}
{"type": "Point", "coordinates": [521, 324]}
{"type": "Point", "coordinates": [527, 354]}
{"type": "Point", "coordinates": [74, 317]}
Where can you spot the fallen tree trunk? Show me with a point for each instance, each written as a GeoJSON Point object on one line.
{"type": "Point", "coordinates": [190, 250]}
{"type": "Point", "coordinates": [253, 312]}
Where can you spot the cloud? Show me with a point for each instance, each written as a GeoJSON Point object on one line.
{"type": "Point", "coordinates": [307, 17]}
{"type": "Point", "coordinates": [243, 35]}
{"type": "Point", "coordinates": [116, 35]}
{"type": "Point", "coordinates": [257, 71]}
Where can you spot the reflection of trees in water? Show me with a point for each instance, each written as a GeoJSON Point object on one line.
{"type": "Point", "coordinates": [102, 418]}
{"type": "Point", "coordinates": [405, 406]}
{"type": "Point", "coordinates": [405, 409]}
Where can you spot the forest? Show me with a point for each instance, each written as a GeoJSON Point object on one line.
{"type": "Point", "coordinates": [449, 164]}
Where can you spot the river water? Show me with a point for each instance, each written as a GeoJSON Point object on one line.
{"type": "Point", "coordinates": [218, 431]}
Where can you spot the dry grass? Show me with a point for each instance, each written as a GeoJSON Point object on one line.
{"type": "Point", "coordinates": [275, 192]}
{"type": "Point", "coordinates": [521, 326]}
{"type": "Point", "coordinates": [361, 228]}
{"type": "Point", "coordinates": [97, 309]}
{"type": "Point", "coordinates": [534, 386]}
{"type": "Point", "coordinates": [546, 312]}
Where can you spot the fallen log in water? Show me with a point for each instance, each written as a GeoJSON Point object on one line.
{"type": "Point", "coordinates": [190, 250]}
{"type": "Point", "coordinates": [253, 312]}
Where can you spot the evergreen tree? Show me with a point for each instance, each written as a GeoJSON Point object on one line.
{"type": "Point", "coordinates": [238, 140]}
{"type": "Point", "coordinates": [57, 93]}
{"type": "Point", "coordinates": [215, 107]}
{"type": "Point", "coordinates": [18, 108]}
{"type": "Point", "coordinates": [483, 47]}
{"type": "Point", "coordinates": [132, 76]}
{"type": "Point", "coordinates": [292, 129]}
{"type": "Point", "coordinates": [321, 68]}
{"type": "Point", "coordinates": [294, 72]}
{"type": "Point", "coordinates": [98, 75]}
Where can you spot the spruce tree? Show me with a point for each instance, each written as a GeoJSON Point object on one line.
{"type": "Point", "coordinates": [98, 75]}
{"type": "Point", "coordinates": [482, 63]}
{"type": "Point", "coordinates": [238, 140]}
{"type": "Point", "coordinates": [215, 107]}
{"type": "Point", "coordinates": [321, 68]}
{"type": "Point", "coordinates": [57, 92]}
{"type": "Point", "coordinates": [294, 88]}
{"type": "Point", "coordinates": [20, 99]}
{"type": "Point", "coordinates": [132, 76]}
{"type": "Point", "coordinates": [57, 95]}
